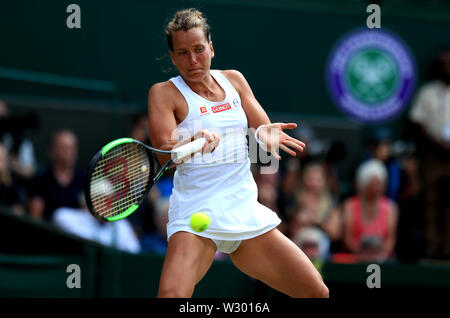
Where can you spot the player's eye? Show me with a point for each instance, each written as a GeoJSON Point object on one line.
{"type": "Point", "coordinates": [199, 49]}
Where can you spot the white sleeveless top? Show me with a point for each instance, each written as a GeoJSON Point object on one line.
{"type": "Point", "coordinates": [220, 183]}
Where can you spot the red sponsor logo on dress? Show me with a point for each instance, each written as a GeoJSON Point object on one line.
{"type": "Point", "coordinates": [220, 108]}
{"type": "Point", "coordinates": [203, 109]}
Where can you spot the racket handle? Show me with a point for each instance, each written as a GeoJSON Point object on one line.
{"type": "Point", "coordinates": [188, 149]}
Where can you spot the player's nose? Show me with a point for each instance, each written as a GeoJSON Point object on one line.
{"type": "Point", "coordinates": [192, 59]}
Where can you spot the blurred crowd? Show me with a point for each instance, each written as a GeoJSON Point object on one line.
{"type": "Point", "coordinates": [395, 206]}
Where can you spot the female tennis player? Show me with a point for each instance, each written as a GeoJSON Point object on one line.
{"type": "Point", "coordinates": [211, 103]}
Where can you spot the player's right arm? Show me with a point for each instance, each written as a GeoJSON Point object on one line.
{"type": "Point", "coordinates": [272, 134]}
{"type": "Point", "coordinates": [161, 117]}
{"type": "Point", "coordinates": [163, 107]}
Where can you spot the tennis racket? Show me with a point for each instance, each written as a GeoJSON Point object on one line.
{"type": "Point", "coordinates": [121, 174]}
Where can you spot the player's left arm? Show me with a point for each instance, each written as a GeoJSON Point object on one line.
{"type": "Point", "coordinates": [256, 115]}
{"type": "Point", "coordinates": [271, 133]}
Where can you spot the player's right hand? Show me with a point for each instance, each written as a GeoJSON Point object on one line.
{"type": "Point", "coordinates": [212, 140]}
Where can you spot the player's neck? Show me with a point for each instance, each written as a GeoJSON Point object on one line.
{"type": "Point", "coordinates": [206, 87]}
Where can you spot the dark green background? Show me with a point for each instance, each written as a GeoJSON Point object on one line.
{"type": "Point", "coordinates": [280, 46]}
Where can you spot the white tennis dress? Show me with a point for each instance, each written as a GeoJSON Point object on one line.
{"type": "Point", "coordinates": [220, 183]}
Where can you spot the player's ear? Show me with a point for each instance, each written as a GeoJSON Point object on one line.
{"type": "Point", "coordinates": [172, 57]}
{"type": "Point", "coordinates": [211, 48]}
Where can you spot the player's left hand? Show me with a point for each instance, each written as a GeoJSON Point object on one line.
{"type": "Point", "coordinates": [274, 138]}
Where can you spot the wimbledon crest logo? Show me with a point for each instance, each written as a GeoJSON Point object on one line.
{"type": "Point", "coordinates": [370, 75]}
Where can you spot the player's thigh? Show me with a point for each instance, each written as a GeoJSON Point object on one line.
{"type": "Point", "coordinates": [188, 258]}
{"type": "Point", "coordinates": [275, 260]}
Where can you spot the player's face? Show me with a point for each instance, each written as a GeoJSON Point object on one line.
{"type": "Point", "coordinates": [192, 54]}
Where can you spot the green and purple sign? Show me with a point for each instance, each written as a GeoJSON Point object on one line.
{"type": "Point", "coordinates": [371, 75]}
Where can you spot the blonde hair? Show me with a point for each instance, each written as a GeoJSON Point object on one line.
{"type": "Point", "coordinates": [186, 20]}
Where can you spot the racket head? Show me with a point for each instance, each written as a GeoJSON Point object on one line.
{"type": "Point", "coordinates": [118, 179]}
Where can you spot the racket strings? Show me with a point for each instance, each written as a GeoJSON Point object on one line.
{"type": "Point", "coordinates": [119, 179]}
{"type": "Point", "coordinates": [125, 190]}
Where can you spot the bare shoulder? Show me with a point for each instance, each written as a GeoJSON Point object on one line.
{"type": "Point", "coordinates": [163, 94]}
{"type": "Point", "coordinates": [237, 79]}
{"type": "Point", "coordinates": [161, 89]}
{"type": "Point", "coordinates": [233, 75]}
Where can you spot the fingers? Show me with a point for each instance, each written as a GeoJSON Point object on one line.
{"type": "Point", "coordinates": [204, 133]}
{"type": "Point", "coordinates": [298, 142]}
{"type": "Point", "coordinates": [293, 145]}
{"type": "Point", "coordinates": [288, 125]}
{"type": "Point", "coordinates": [280, 126]}
{"type": "Point", "coordinates": [275, 154]}
{"type": "Point", "coordinates": [276, 139]}
{"type": "Point", "coordinates": [288, 150]}
{"type": "Point", "coordinates": [212, 140]}
{"type": "Point", "coordinates": [285, 148]}
{"type": "Point", "coordinates": [292, 139]}
{"type": "Point", "coordinates": [211, 144]}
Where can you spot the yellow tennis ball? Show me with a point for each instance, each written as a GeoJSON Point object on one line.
{"type": "Point", "coordinates": [200, 221]}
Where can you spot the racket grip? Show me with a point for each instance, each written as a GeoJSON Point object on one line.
{"type": "Point", "coordinates": [187, 149]}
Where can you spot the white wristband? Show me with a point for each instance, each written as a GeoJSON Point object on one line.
{"type": "Point", "coordinates": [256, 136]}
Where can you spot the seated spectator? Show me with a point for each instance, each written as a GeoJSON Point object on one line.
{"type": "Point", "coordinates": [300, 219]}
{"type": "Point", "coordinates": [371, 250]}
{"type": "Point", "coordinates": [291, 167]}
{"type": "Point", "coordinates": [313, 196]}
{"type": "Point", "coordinates": [380, 148]}
{"type": "Point", "coordinates": [268, 184]}
{"type": "Point", "coordinates": [9, 191]}
{"type": "Point", "coordinates": [313, 242]}
{"type": "Point", "coordinates": [370, 218]}
{"type": "Point", "coordinates": [139, 128]}
{"type": "Point", "coordinates": [15, 131]}
{"type": "Point", "coordinates": [61, 183]}
{"type": "Point", "coordinates": [80, 222]}
{"type": "Point", "coordinates": [335, 154]}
